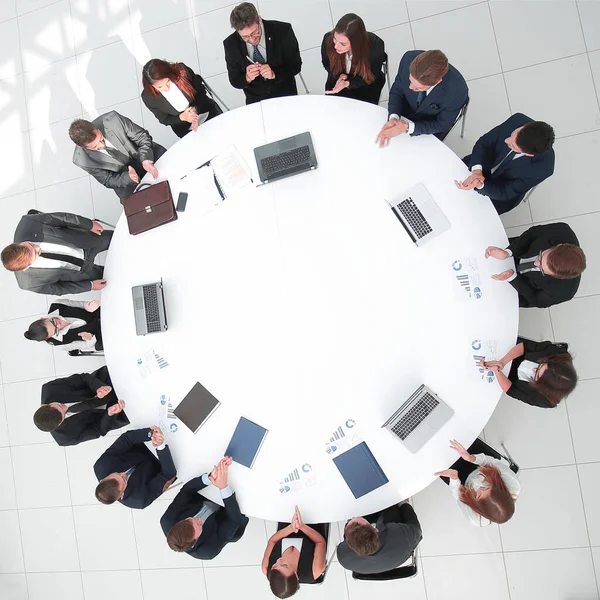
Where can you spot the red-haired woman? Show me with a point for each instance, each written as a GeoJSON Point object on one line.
{"type": "Point", "coordinates": [353, 59]}
{"type": "Point", "coordinates": [486, 494]}
{"type": "Point", "coordinates": [176, 96]}
{"type": "Point", "coordinates": [541, 374]}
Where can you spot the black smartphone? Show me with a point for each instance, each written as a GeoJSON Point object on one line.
{"type": "Point", "coordinates": [181, 201]}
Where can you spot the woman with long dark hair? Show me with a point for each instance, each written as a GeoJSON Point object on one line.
{"type": "Point", "coordinates": [176, 96]}
{"type": "Point", "coordinates": [541, 374]}
{"type": "Point", "coordinates": [353, 59]}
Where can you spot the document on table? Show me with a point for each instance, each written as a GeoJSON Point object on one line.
{"type": "Point", "coordinates": [203, 196]}
{"type": "Point", "coordinates": [482, 350]}
{"type": "Point", "coordinates": [231, 171]}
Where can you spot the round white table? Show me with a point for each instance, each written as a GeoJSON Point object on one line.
{"type": "Point", "coordinates": [304, 306]}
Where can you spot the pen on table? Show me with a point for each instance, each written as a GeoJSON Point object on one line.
{"type": "Point", "coordinates": [219, 188]}
{"type": "Point", "coordinates": [202, 165]}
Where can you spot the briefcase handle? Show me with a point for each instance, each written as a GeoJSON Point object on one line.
{"type": "Point", "coordinates": [142, 186]}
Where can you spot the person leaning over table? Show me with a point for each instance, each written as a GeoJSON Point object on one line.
{"type": "Point", "coordinates": [541, 374]}
{"type": "Point", "coordinates": [295, 554]}
{"type": "Point", "coordinates": [486, 494]}
{"type": "Point", "coordinates": [176, 96]}
{"type": "Point", "coordinates": [353, 59]}
{"type": "Point", "coordinates": [70, 324]}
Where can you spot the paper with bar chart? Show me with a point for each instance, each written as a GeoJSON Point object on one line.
{"type": "Point", "coordinates": [343, 438]}
{"type": "Point", "coordinates": [297, 479]}
{"type": "Point", "coordinates": [467, 279]}
{"type": "Point", "coordinates": [479, 351]}
{"type": "Point", "coordinates": [167, 421]}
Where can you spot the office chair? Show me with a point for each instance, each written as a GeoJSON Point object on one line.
{"type": "Point", "coordinates": [303, 83]}
{"type": "Point", "coordinates": [402, 572]}
{"type": "Point", "coordinates": [213, 94]}
{"type": "Point", "coordinates": [529, 193]}
{"type": "Point", "coordinates": [461, 115]}
{"type": "Point", "coordinates": [86, 352]}
{"type": "Point", "coordinates": [386, 72]}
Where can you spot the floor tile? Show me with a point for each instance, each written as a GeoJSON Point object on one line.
{"type": "Point", "coordinates": [546, 493]}
{"type": "Point", "coordinates": [49, 540]}
{"type": "Point", "coordinates": [26, 6]}
{"type": "Point", "coordinates": [160, 584]}
{"type": "Point", "coordinates": [312, 71]}
{"type": "Point", "coordinates": [41, 478]}
{"type": "Point", "coordinates": [533, 91]}
{"type": "Point", "coordinates": [55, 586]}
{"type": "Point", "coordinates": [97, 24]}
{"type": "Point", "coordinates": [596, 559]}
{"type": "Point", "coordinates": [11, 555]}
{"type": "Point", "coordinates": [483, 571]}
{"type": "Point", "coordinates": [12, 102]}
{"type": "Point", "coordinates": [231, 96]}
{"type": "Point", "coordinates": [74, 196]}
{"type": "Point", "coordinates": [106, 203]}
{"type": "Point", "coordinates": [247, 551]}
{"type": "Point", "coordinates": [152, 14]}
{"type": "Point", "coordinates": [101, 585]}
{"type": "Point", "coordinates": [8, 499]}
{"type": "Point", "coordinates": [589, 12]}
{"type": "Point", "coordinates": [105, 538]}
{"type": "Point", "coordinates": [398, 40]}
{"type": "Point", "coordinates": [14, 587]}
{"type": "Point", "coordinates": [584, 414]}
{"type": "Point", "coordinates": [576, 322]}
{"type": "Point", "coordinates": [590, 489]}
{"type": "Point", "coordinates": [67, 365]}
{"type": "Point", "coordinates": [545, 32]}
{"type": "Point", "coordinates": [15, 159]}
{"type": "Point", "coordinates": [520, 215]}
{"type": "Point", "coordinates": [376, 15]}
{"type": "Point", "coordinates": [237, 582]}
{"type": "Point", "coordinates": [4, 441]}
{"type": "Point", "coordinates": [551, 574]}
{"type": "Point", "coordinates": [419, 9]}
{"type": "Point", "coordinates": [334, 585]}
{"type": "Point", "coordinates": [8, 10]}
{"type": "Point", "coordinates": [466, 37]}
{"type": "Point", "coordinates": [534, 323]}
{"type": "Point", "coordinates": [10, 65]}
{"type": "Point", "coordinates": [203, 6]}
{"type": "Point", "coordinates": [13, 208]}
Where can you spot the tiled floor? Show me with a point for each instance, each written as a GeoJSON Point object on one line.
{"type": "Point", "coordinates": [61, 59]}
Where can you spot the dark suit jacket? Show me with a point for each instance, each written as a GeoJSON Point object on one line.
{"type": "Point", "coordinates": [91, 319]}
{"type": "Point", "coordinates": [513, 178]}
{"type": "Point", "coordinates": [225, 526]}
{"type": "Point", "coordinates": [535, 289]}
{"type": "Point", "coordinates": [67, 229]}
{"type": "Point", "coordinates": [147, 481]}
{"type": "Point", "coordinates": [440, 108]}
{"type": "Point", "coordinates": [283, 56]}
{"type": "Point", "coordinates": [89, 422]}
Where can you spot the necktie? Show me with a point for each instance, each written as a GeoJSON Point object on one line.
{"type": "Point", "coordinates": [257, 56]}
{"type": "Point", "coordinates": [79, 262]}
{"type": "Point", "coordinates": [526, 265]}
{"type": "Point", "coordinates": [420, 97]}
{"type": "Point", "coordinates": [118, 156]}
{"type": "Point", "coordinates": [510, 154]}
{"type": "Point", "coordinates": [86, 405]}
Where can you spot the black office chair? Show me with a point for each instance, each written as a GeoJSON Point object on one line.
{"type": "Point", "coordinates": [403, 572]}
{"type": "Point", "coordinates": [213, 94]}
{"type": "Point", "coordinates": [86, 352]}
{"type": "Point", "coordinates": [386, 72]}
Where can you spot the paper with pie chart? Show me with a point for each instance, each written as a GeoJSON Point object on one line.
{"type": "Point", "coordinates": [297, 479]}
{"type": "Point", "coordinates": [467, 278]}
{"type": "Point", "coordinates": [479, 351]}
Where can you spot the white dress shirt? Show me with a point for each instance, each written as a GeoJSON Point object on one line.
{"type": "Point", "coordinates": [49, 263]}
{"type": "Point", "coordinates": [175, 97]}
{"type": "Point", "coordinates": [288, 542]}
{"type": "Point", "coordinates": [73, 323]}
{"type": "Point", "coordinates": [527, 370]}
{"type": "Point", "coordinates": [262, 46]}
{"type": "Point", "coordinates": [480, 168]}
{"type": "Point", "coordinates": [108, 145]}
{"type": "Point", "coordinates": [348, 62]}
{"type": "Point", "coordinates": [411, 125]}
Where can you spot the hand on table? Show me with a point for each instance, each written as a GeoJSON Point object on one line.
{"type": "Point", "coordinates": [92, 306]}
{"type": "Point", "coordinates": [157, 437]}
{"type": "Point", "coordinates": [150, 168]}
{"type": "Point", "coordinates": [474, 180]}
{"type": "Point", "coordinates": [496, 252]}
{"type": "Point", "coordinates": [493, 365]}
{"type": "Point", "coordinates": [133, 175]}
{"type": "Point", "coordinates": [391, 129]}
{"type": "Point", "coordinates": [115, 409]}
{"type": "Point", "coordinates": [103, 391]}
{"type": "Point", "coordinates": [504, 275]}
{"type": "Point", "coordinates": [218, 477]}
{"type": "Point", "coordinates": [98, 284]}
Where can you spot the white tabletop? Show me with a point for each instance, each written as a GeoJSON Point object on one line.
{"type": "Point", "coordinates": [303, 303]}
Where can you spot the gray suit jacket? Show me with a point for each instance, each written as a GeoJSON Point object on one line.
{"type": "Point", "coordinates": [125, 136]}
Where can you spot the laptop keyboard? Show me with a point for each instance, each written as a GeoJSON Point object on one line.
{"type": "Point", "coordinates": [415, 416]}
{"type": "Point", "coordinates": [152, 312]}
{"type": "Point", "coordinates": [414, 217]}
{"type": "Point", "coordinates": [286, 160]}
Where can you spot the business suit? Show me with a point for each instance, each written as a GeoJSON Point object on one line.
{"type": "Point", "coordinates": [399, 534]}
{"type": "Point", "coordinates": [91, 324]}
{"type": "Point", "coordinates": [283, 56]}
{"type": "Point", "coordinates": [131, 140]}
{"type": "Point", "coordinates": [507, 186]}
{"type": "Point", "coordinates": [438, 112]}
{"type": "Point", "coordinates": [151, 474]}
{"type": "Point", "coordinates": [162, 109]}
{"type": "Point", "coordinates": [89, 421]}
{"type": "Point", "coordinates": [535, 289]}
{"type": "Point", "coordinates": [223, 527]}
{"type": "Point", "coordinates": [358, 88]}
{"type": "Point", "coordinates": [69, 230]}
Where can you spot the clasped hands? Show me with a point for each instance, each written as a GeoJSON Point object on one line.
{"type": "Point", "coordinates": [391, 129]}
{"type": "Point", "coordinates": [256, 69]}
{"type": "Point", "coordinates": [474, 180]}
{"type": "Point", "coordinates": [218, 476]}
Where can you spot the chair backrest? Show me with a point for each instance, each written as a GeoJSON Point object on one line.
{"type": "Point", "coordinates": [487, 449]}
{"type": "Point", "coordinates": [325, 533]}
{"type": "Point", "coordinates": [403, 572]}
{"type": "Point", "coordinates": [460, 116]}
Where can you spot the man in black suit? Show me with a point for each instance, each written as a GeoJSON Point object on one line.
{"type": "Point", "coordinates": [115, 151]}
{"type": "Point", "coordinates": [509, 160]}
{"type": "Point", "coordinates": [426, 97]}
{"type": "Point", "coordinates": [367, 549]}
{"type": "Point", "coordinates": [130, 473]}
{"type": "Point", "coordinates": [54, 253]}
{"type": "Point", "coordinates": [263, 57]}
{"type": "Point", "coordinates": [80, 408]}
{"type": "Point", "coordinates": [198, 526]}
{"type": "Point", "coordinates": [548, 261]}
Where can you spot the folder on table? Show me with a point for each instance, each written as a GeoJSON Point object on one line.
{"type": "Point", "coordinates": [195, 409]}
{"type": "Point", "coordinates": [360, 470]}
{"type": "Point", "coordinates": [246, 441]}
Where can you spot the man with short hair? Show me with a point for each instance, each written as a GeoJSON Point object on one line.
{"type": "Point", "coordinates": [427, 96]}
{"type": "Point", "coordinates": [115, 151]}
{"type": "Point", "coordinates": [130, 473]}
{"type": "Point", "coordinates": [80, 408]}
{"type": "Point", "coordinates": [198, 526]}
{"type": "Point", "coordinates": [509, 160]}
{"type": "Point", "coordinates": [54, 253]}
{"type": "Point", "coordinates": [381, 541]}
{"type": "Point", "coordinates": [263, 57]}
{"type": "Point", "coordinates": [548, 262]}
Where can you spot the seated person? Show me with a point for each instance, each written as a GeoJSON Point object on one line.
{"type": "Point", "coordinates": [541, 374]}
{"type": "Point", "coordinates": [80, 408]}
{"type": "Point", "coordinates": [198, 526]}
{"type": "Point", "coordinates": [509, 160]}
{"type": "Point", "coordinates": [353, 59]}
{"type": "Point", "coordinates": [54, 253]}
{"type": "Point", "coordinates": [114, 151]}
{"type": "Point", "coordinates": [486, 494]}
{"type": "Point", "coordinates": [263, 57]}
{"type": "Point", "coordinates": [381, 541]}
{"type": "Point", "coordinates": [426, 97]}
{"type": "Point", "coordinates": [548, 261]}
{"type": "Point", "coordinates": [130, 473]}
{"type": "Point", "coordinates": [295, 554]}
{"type": "Point", "coordinates": [70, 324]}
{"type": "Point", "coordinates": [176, 96]}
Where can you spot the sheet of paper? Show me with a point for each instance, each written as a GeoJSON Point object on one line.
{"type": "Point", "coordinates": [346, 436]}
{"type": "Point", "coordinates": [231, 171]}
{"type": "Point", "coordinates": [167, 421]}
{"type": "Point", "coordinates": [467, 278]}
{"type": "Point", "coordinates": [150, 363]}
{"type": "Point", "coordinates": [297, 479]}
{"type": "Point", "coordinates": [203, 196]}
{"type": "Point", "coordinates": [479, 351]}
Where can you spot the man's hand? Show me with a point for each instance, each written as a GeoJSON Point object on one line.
{"type": "Point", "coordinates": [92, 306]}
{"type": "Point", "coordinates": [452, 473]}
{"type": "Point", "coordinates": [157, 438]}
{"type": "Point", "coordinates": [98, 284]}
{"type": "Point", "coordinates": [218, 477]}
{"type": "Point", "coordinates": [86, 336]}
{"type": "Point", "coordinates": [391, 129]}
{"type": "Point", "coordinates": [462, 451]}
{"type": "Point", "coordinates": [96, 228]}
{"type": "Point", "coordinates": [115, 409]}
{"type": "Point", "coordinates": [252, 72]}
{"type": "Point", "coordinates": [103, 391]}
{"type": "Point", "coordinates": [496, 252]}
{"type": "Point", "coordinates": [266, 72]}
{"type": "Point", "coordinates": [133, 175]}
{"type": "Point", "coordinates": [504, 275]}
{"type": "Point", "coordinates": [150, 168]}
{"type": "Point", "coordinates": [474, 180]}
{"type": "Point", "coordinates": [341, 84]}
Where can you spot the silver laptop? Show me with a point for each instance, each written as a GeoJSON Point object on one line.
{"type": "Point", "coordinates": [420, 216]}
{"type": "Point", "coordinates": [419, 419]}
{"type": "Point", "coordinates": [149, 308]}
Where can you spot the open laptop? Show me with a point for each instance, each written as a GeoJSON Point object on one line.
{"type": "Point", "coordinates": [149, 308]}
{"type": "Point", "coordinates": [419, 419]}
{"type": "Point", "coordinates": [285, 158]}
{"type": "Point", "coordinates": [420, 215]}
